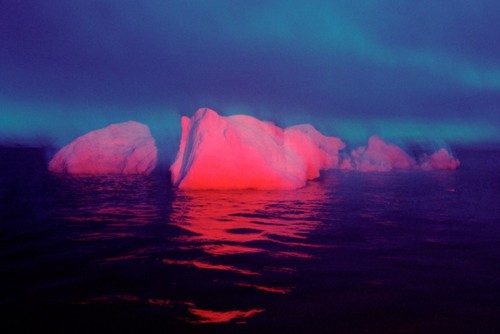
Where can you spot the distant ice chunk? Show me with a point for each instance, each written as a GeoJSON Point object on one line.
{"type": "Point", "coordinates": [123, 148]}
{"type": "Point", "coordinates": [380, 156]}
{"type": "Point", "coordinates": [240, 152]}
{"type": "Point", "coordinates": [441, 159]}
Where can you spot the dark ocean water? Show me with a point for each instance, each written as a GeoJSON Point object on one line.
{"type": "Point", "coordinates": [397, 252]}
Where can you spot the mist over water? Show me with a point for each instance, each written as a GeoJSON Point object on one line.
{"type": "Point", "coordinates": [401, 251]}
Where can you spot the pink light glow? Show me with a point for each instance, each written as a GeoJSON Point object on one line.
{"type": "Point", "coordinates": [441, 159]}
{"type": "Point", "coordinates": [217, 250]}
{"type": "Point", "coordinates": [234, 152]}
{"type": "Point", "coordinates": [222, 223]}
{"type": "Point", "coordinates": [209, 316]}
{"type": "Point", "coordinates": [380, 156]}
{"type": "Point", "coordinates": [241, 152]}
{"type": "Point", "coordinates": [160, 302]}
{"type": "Point", "coordinates": [210, 219]}
{"type": "Point", "coordinates": [206, 265]}
{"type": "Point", "coordinates": [279, 290]}
{"type": "Point", "coordinates": [124, 148]}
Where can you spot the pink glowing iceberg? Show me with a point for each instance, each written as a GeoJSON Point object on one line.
{"type": "Point", "coordinates": [380, 156]}
{"type": "Point", "coordinates": [441, 159]}
{"type": "Point", "coordinates": [240, 152]}
{"type": "Point", "coordinates": [124, 148]}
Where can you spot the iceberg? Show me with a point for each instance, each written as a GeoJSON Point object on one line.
{"type": "Point", "coordinates": [242, 152]}
{"type": "Point", "coordinates": [380, 156]}
{"type": "Point", "coordinates": [441, 159]}
{"type": "Point", "coordinates": [123, 148]}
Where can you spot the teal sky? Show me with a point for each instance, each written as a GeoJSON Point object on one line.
{"type": "Point", "coordinates": [405, 69]}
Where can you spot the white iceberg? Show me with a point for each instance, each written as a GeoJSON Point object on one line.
{"type": "Point", "coordinates": [123, 148]}
{"type": "Point", "coordinates": [441, 159]}
{"type": "Point", "coordinates": [380, 156]}
{"type": "Point", "coordinates": [241, 152]}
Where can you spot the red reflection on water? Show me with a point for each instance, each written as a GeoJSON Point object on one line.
{"type": "Point", "coordinates": [232, 222]}
{"type": "Point", "coordinates": [209, 316]}
{"type": "Point", "coordinates": [275, 289]}
{"type": "Point", "coordinates": [286, 270]}
{"type": "Point", "coordinates": [259, 235]}
{"type": "Point", "coordinates": [205, 265]}
{"type": "Point", "coordinates": [218, 250]}
{"type": "Point", "coordinates": [124, 258]}
{"type": "Point", "coordinates": [294, 254]}
{"type": "Point", "coordinates": [160, 302]}
{"type": "Point", "coordinates": [169, 303]}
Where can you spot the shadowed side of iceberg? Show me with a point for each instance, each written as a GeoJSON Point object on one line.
{"type": "Point", "coordinates": [123, 148]}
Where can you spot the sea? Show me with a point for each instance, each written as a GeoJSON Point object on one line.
{"type": "Point", "coordinates": [352, 252]}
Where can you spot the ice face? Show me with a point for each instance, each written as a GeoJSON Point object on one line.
{"type": "Point", "coordinates": [240, 152]}
{"type": "Point", "coordinates": [123, 148]}
{"type": "Point", "coordinates": [319, 152]}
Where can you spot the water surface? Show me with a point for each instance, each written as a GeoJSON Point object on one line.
{"type": "Point", "coordinates": [396, 252]}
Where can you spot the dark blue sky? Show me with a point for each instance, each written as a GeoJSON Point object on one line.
{"type": "Point", "coordinates": [404, 69]}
